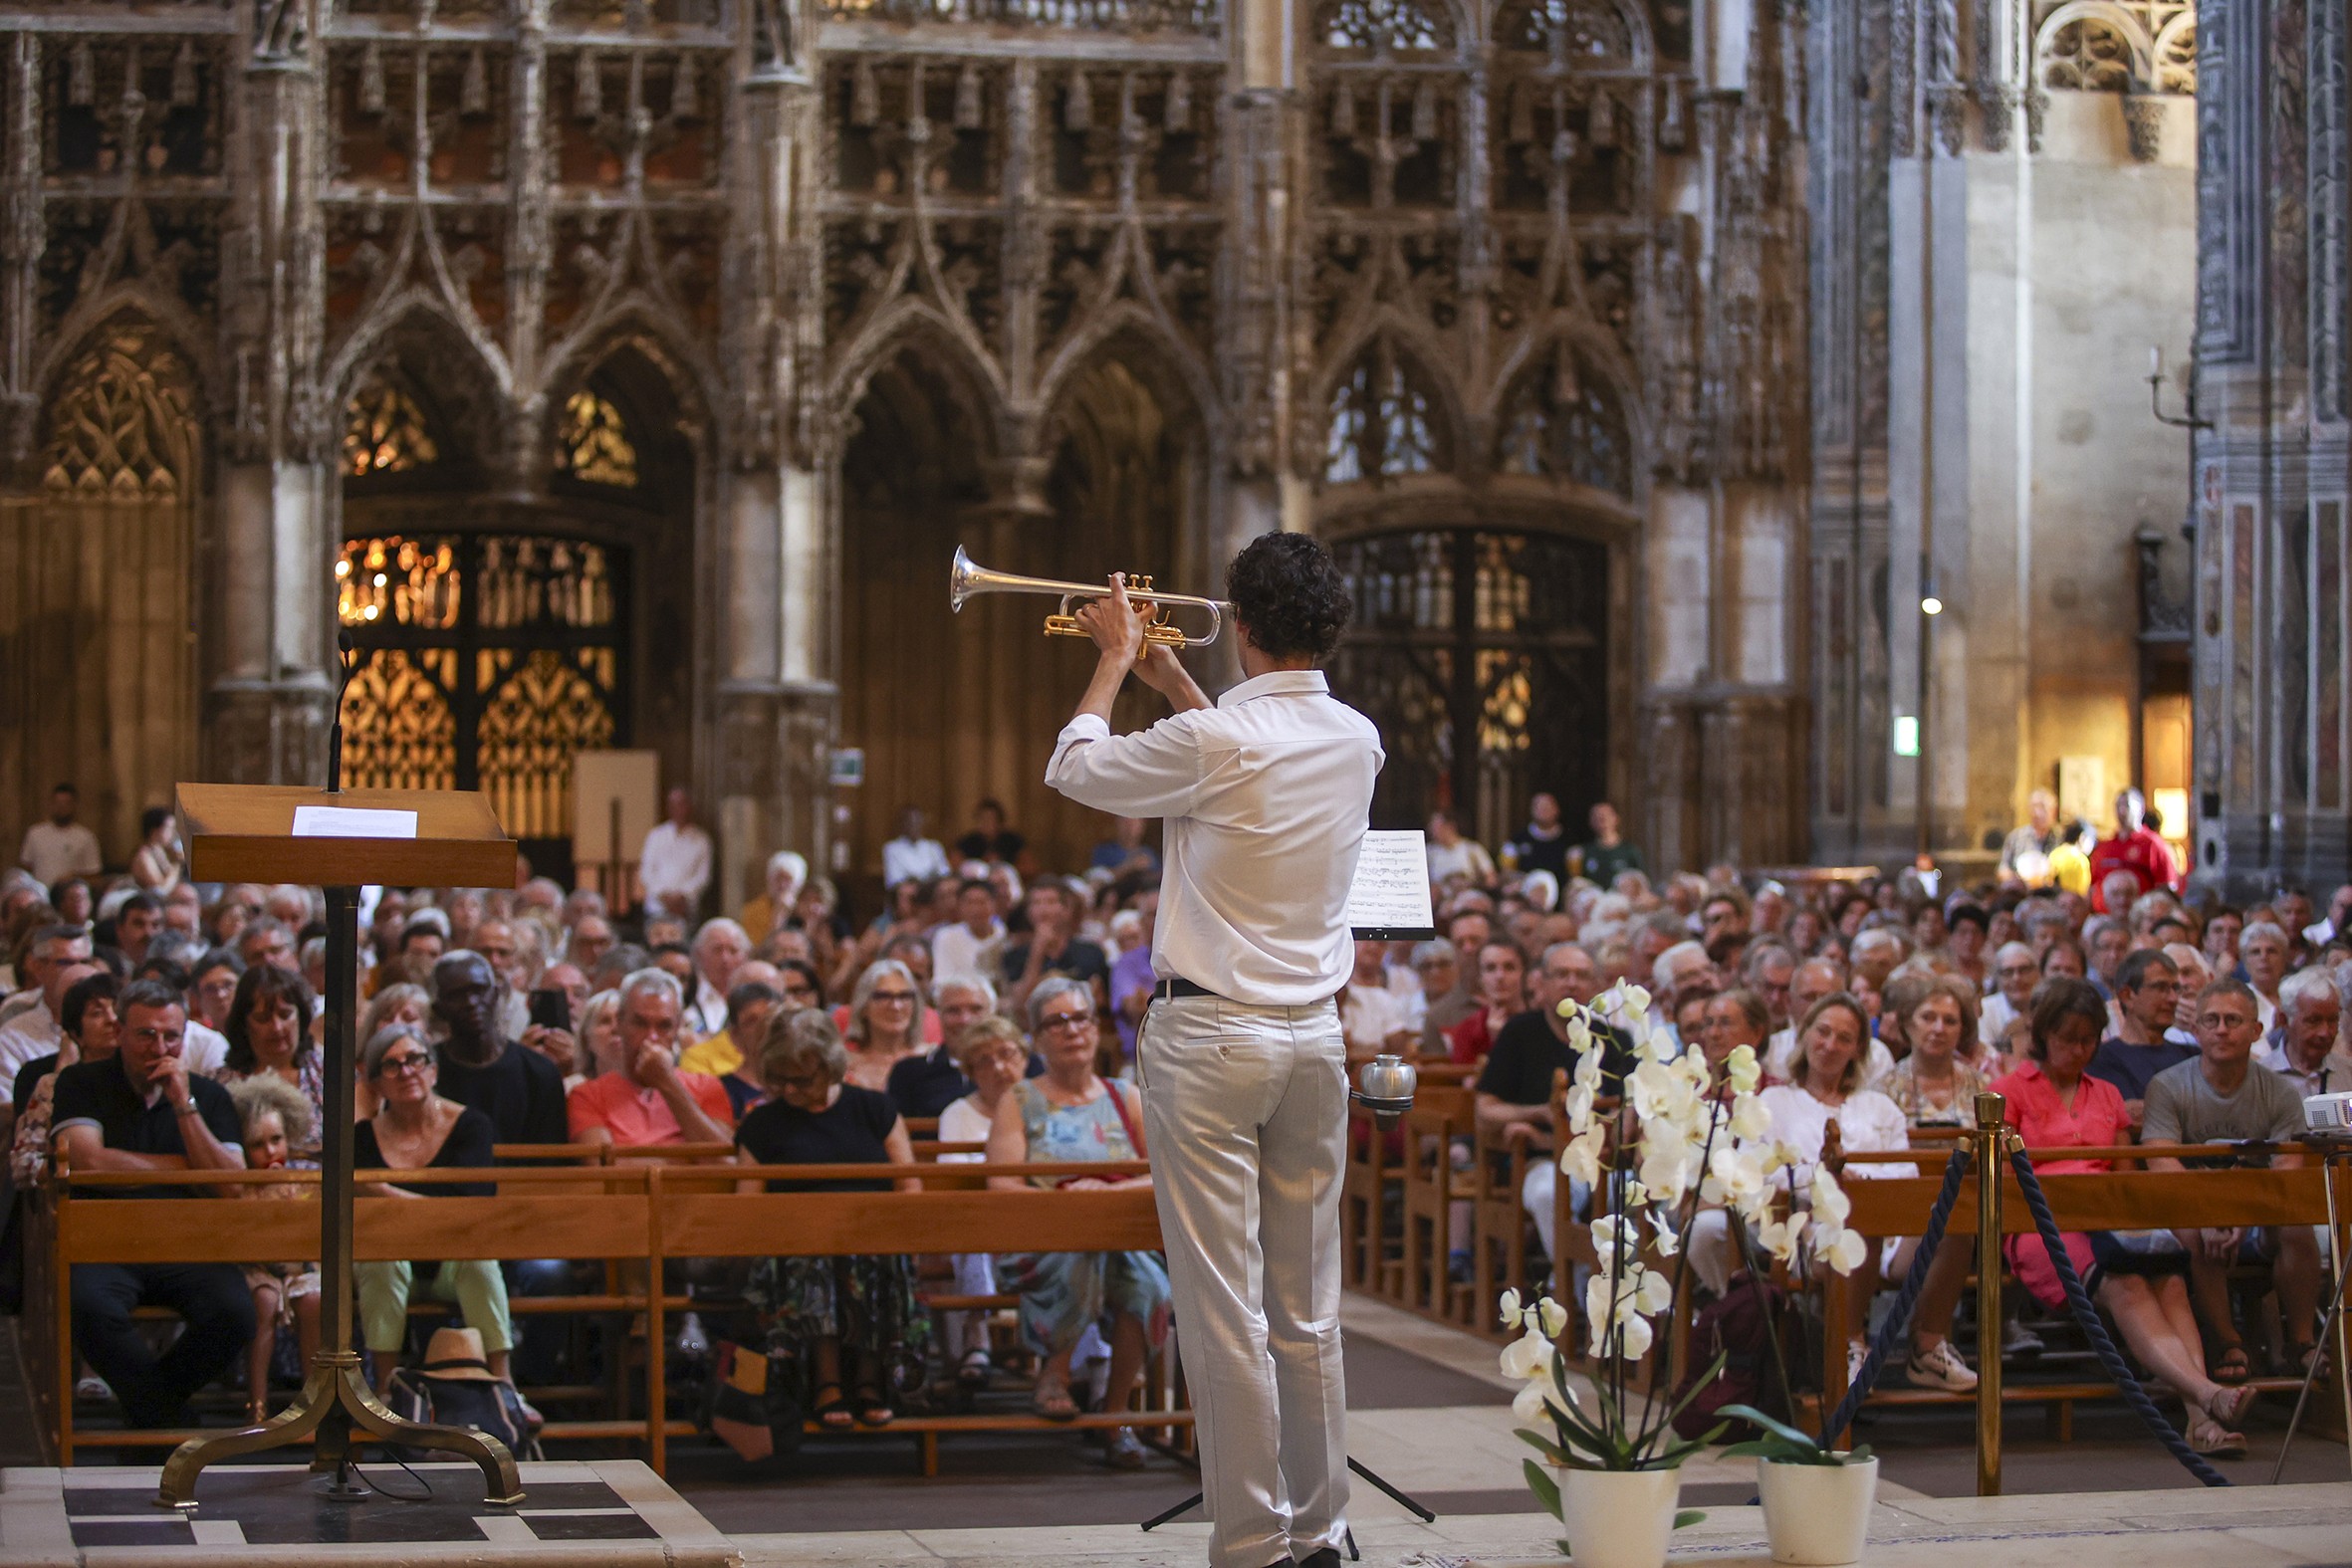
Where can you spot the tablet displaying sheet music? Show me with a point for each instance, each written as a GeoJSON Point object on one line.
{"type": "Point", "coordinates": [1389, 899]}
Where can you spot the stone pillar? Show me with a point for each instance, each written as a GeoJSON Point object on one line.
{"type": "Point", "coordinates": [780, 518]}
{"type": "Point", "coordinates": [270, 689]}
{"type": "Point", "coordinates": [2269, 497]}
{"type": "Point", "coordinates": [1266, 374]}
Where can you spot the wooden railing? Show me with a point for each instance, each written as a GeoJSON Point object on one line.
{"type": "Point", "coordinates": [631, 1208]}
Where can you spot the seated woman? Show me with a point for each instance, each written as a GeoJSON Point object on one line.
{"type": "Point", "coordinates": [992, 1053]}
{"type": "Point", "coordinates": [269, 1032]}
{"type": "Point", "coordinates": [273, 1119]}
{"type": "Point", "coordinates": [414, 1129]}
{"type": "Point", "coordinates": [884, 1022]}
{"type": "Point", "coordinates": [1827, 1085]}
{"type": "Point", "coordinates": [88, 1031]}
{"type": "Point", "coordinates": [1072, 1114]}
{"type": "Point", "coordinates": [1730, 1020]}
{"type": "Point", "coordinates": [2054, 1105]}
{"type": "Point", "coordinates": [1938, 1083]}
{"type": "Point", "coordinates": [839, 1322]}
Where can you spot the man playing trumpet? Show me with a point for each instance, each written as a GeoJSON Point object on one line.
{"type": "Point", "coordinates": [1265, 795]}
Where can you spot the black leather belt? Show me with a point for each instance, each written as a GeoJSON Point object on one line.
{"type": "Point", "coordinates": [1176, 988]}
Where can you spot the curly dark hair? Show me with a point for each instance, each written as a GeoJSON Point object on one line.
{"type": "Point", "coordinates": [1289, 593]}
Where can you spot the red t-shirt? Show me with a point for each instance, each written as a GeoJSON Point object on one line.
{"type": "Point", "coordinates": [2144, 854]}
{"type": "Point", "coordinates": [1469, 1042]}
{"type": "Point", "coordinates": [635, 1114]}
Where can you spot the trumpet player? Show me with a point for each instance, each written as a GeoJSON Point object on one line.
{"type": "Point", "coordinates": [1265, 793]}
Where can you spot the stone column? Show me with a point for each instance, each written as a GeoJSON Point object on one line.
{"type": "Point", "coordinates": [777, 556]}
{"type": "Point", "coordinates": [2269, 502]}
{"type": "Point", "coordinates": [271, 686]}
{"type": "Point", "coordinates": [1268, 354]}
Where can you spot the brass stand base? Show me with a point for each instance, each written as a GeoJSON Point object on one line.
{"type": "Point", "coordinates": [334, 1401]}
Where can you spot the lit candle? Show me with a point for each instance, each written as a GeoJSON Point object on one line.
{"type": "Point", "coordinates": [2155, 363]}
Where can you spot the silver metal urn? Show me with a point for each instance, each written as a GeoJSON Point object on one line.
{"type": "Point", "coordinates": [1384, 1086]}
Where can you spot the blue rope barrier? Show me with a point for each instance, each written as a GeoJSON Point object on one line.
{"type": "Point", "coordinates": [1898, 1319]}
{"type": "Point", "coordinates": [2096, 1331]}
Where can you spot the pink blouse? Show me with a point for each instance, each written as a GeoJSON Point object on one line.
{"type": "Point", "coordinates": [2097, 1120]}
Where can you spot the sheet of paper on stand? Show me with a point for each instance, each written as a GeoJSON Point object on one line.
{"type": "Point", "coordinates": [345, 822]}
{"type": "Point", "coordinates": [1389, 899]}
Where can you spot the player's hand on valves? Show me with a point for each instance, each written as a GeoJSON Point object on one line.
{"type": "Point", "coordinates": [1116, 623]}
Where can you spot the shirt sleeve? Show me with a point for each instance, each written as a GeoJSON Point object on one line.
{"type": "Point", "coordinates": [2160, 1120]}
{"type": "Point", "coordinates": [2286, 1108]}
{"type": "Point", "coordinates": [1151, 773]}
{"type": "Point", "coordinates": [579, 1116]}
{"type": "Point", "coordinates": [72, 1102]}
{"type": "Point", "coordinates": [220, 1113]}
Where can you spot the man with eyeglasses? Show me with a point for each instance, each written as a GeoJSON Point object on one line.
{"type": "Point", "coordinates": [2016, 971]}
{"type": "Point", "coordinates": [2146, 994]}
{"type": "Point", "coordinates": [651, 1102]}
{"type": "Point", "coordinates": [140, 1110]}
{"type": "Point", "coordinates": [1240, 1056]}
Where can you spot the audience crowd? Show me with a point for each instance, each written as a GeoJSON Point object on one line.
{"type": "Point", "coordinates": [989, 1007]}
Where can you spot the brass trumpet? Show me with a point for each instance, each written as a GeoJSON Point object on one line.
{"type": "Point", "coordinates": [967, 579]}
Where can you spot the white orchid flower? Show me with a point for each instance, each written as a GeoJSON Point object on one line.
{"type": "Point", "coordinates": [1842, 1249]}
{"type": "Point", "coordinates": [1636, 1195]}
{"type": "Point", "coordinates": [1751, 1122]}
{"type": "Point", "coordinates": [1578, 1104]}
{"type": "Point", "coordinates": [1580, 1041]}
{"type": "Point", "coordinates": [1554, 1317]}
{"type": "Point", "coordinates": [1633, 1338]}
{"type": "Point", "coordinates": [1741, 1070]}
{"type": "Point", "coordinates": [1653, 1292]}
{"type": "Point", "coordinates": [1511, 1309]}
{"type": "Point", "coordinates": [1739, 1172]}
{"type": "Point", "coordinates": [1780, 1236]}
{"type": "Point", "coordinates": [1611, 1235]}
{"type": "Point", "coordinates": [1580, 1160]}
{"type": "Point", "coordinates": [1655, 1091]}
{"type": "Point", "coordinates": [1667, 1172]}
{"type": "Point", "coordinates": [1663, 1236]}
{"type": "Point", "coordinates": [1634, 999]}
{"type": "Point", "coordinates": [1528, 1356]}
{"type": "Point", "coordinates": [1831, 1204]}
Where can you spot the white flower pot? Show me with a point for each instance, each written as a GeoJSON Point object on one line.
{"type": "Point", "coordinates": [1618, 1519]}
{"type": "Point", "coordinates": [1816, 1513]}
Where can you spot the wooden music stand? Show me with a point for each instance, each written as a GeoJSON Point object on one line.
{"type": "Point", "coordinates": [246, 833]}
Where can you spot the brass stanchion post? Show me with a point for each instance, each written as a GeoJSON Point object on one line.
{"type": "Point", "coordinates": [1990, 1138]}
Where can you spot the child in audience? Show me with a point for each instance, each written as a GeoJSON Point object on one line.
{"type": "Point", "coordinates": [274, 1117]}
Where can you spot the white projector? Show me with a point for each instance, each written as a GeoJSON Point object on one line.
{"type": "Point", "coordinates": [2329, 1113]}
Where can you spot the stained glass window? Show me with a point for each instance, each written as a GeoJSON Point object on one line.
{"type": "Point", "coordinates": [545, 707]}
{"type": "Point", "coordinates": [1589, 31]}
{"type": "Point", "coordinates": [1562, 422]}
{"type": "Point", "coordinates": [385, 431]}
{"type": "Point", "coordinates": [1385, 422]}
{"type": "Point", "coordinates": [1482, 656]}
{"type": "Point", "coordinates": [1382, 25]}
{"type": "Point", "coordinates": [593, 443]}
{"type": "Point", "coordinates": [398, 728]}
{"type": "Point", "coordinates": [490, 661]}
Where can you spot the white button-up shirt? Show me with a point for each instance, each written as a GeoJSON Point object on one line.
{"type": "Point", "coordinates": [675, 861]}
{"type": "Point", "coordinates": [1266, 796]}
{"type": "Point", "coordinates": [914, 859]}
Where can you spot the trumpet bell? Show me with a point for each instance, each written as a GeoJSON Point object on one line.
{"type": "Point", "coordinates": [960, 579]}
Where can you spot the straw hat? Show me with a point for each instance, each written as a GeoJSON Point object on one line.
{"type": "Point", "coordinates": [456, 1353]}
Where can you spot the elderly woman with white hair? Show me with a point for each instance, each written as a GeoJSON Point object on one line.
{"type": "Point", "coordinates": [772, 910]}
{"type": "Point", "coordinates": [849, 1328]}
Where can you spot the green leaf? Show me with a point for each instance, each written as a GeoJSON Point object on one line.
{"type": "Point", "coordinates": [1689, 1518]}
{"type": "Point", "coordinates": [1546, 1489]}
{"type": "Point", "coordinates": [1859, 1454]}
{"type": "Point", "coordinates": [1541, 1445]}
{"type": "Point", "coordinates": [1762, 1448]}
{"type": "Point", "coordinates": [1780, 1428]}
{"type": "Point", "coordinates": [1566, 1550]}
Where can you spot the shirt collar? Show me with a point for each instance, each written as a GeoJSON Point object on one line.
{"type": "Point", "coordinates": [1277, 682]}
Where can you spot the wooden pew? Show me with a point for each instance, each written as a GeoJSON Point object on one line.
{"type": "Point", "coordinates": [638, 1213]}
{"type": "Point", "coordinates": [2120, 1199]}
